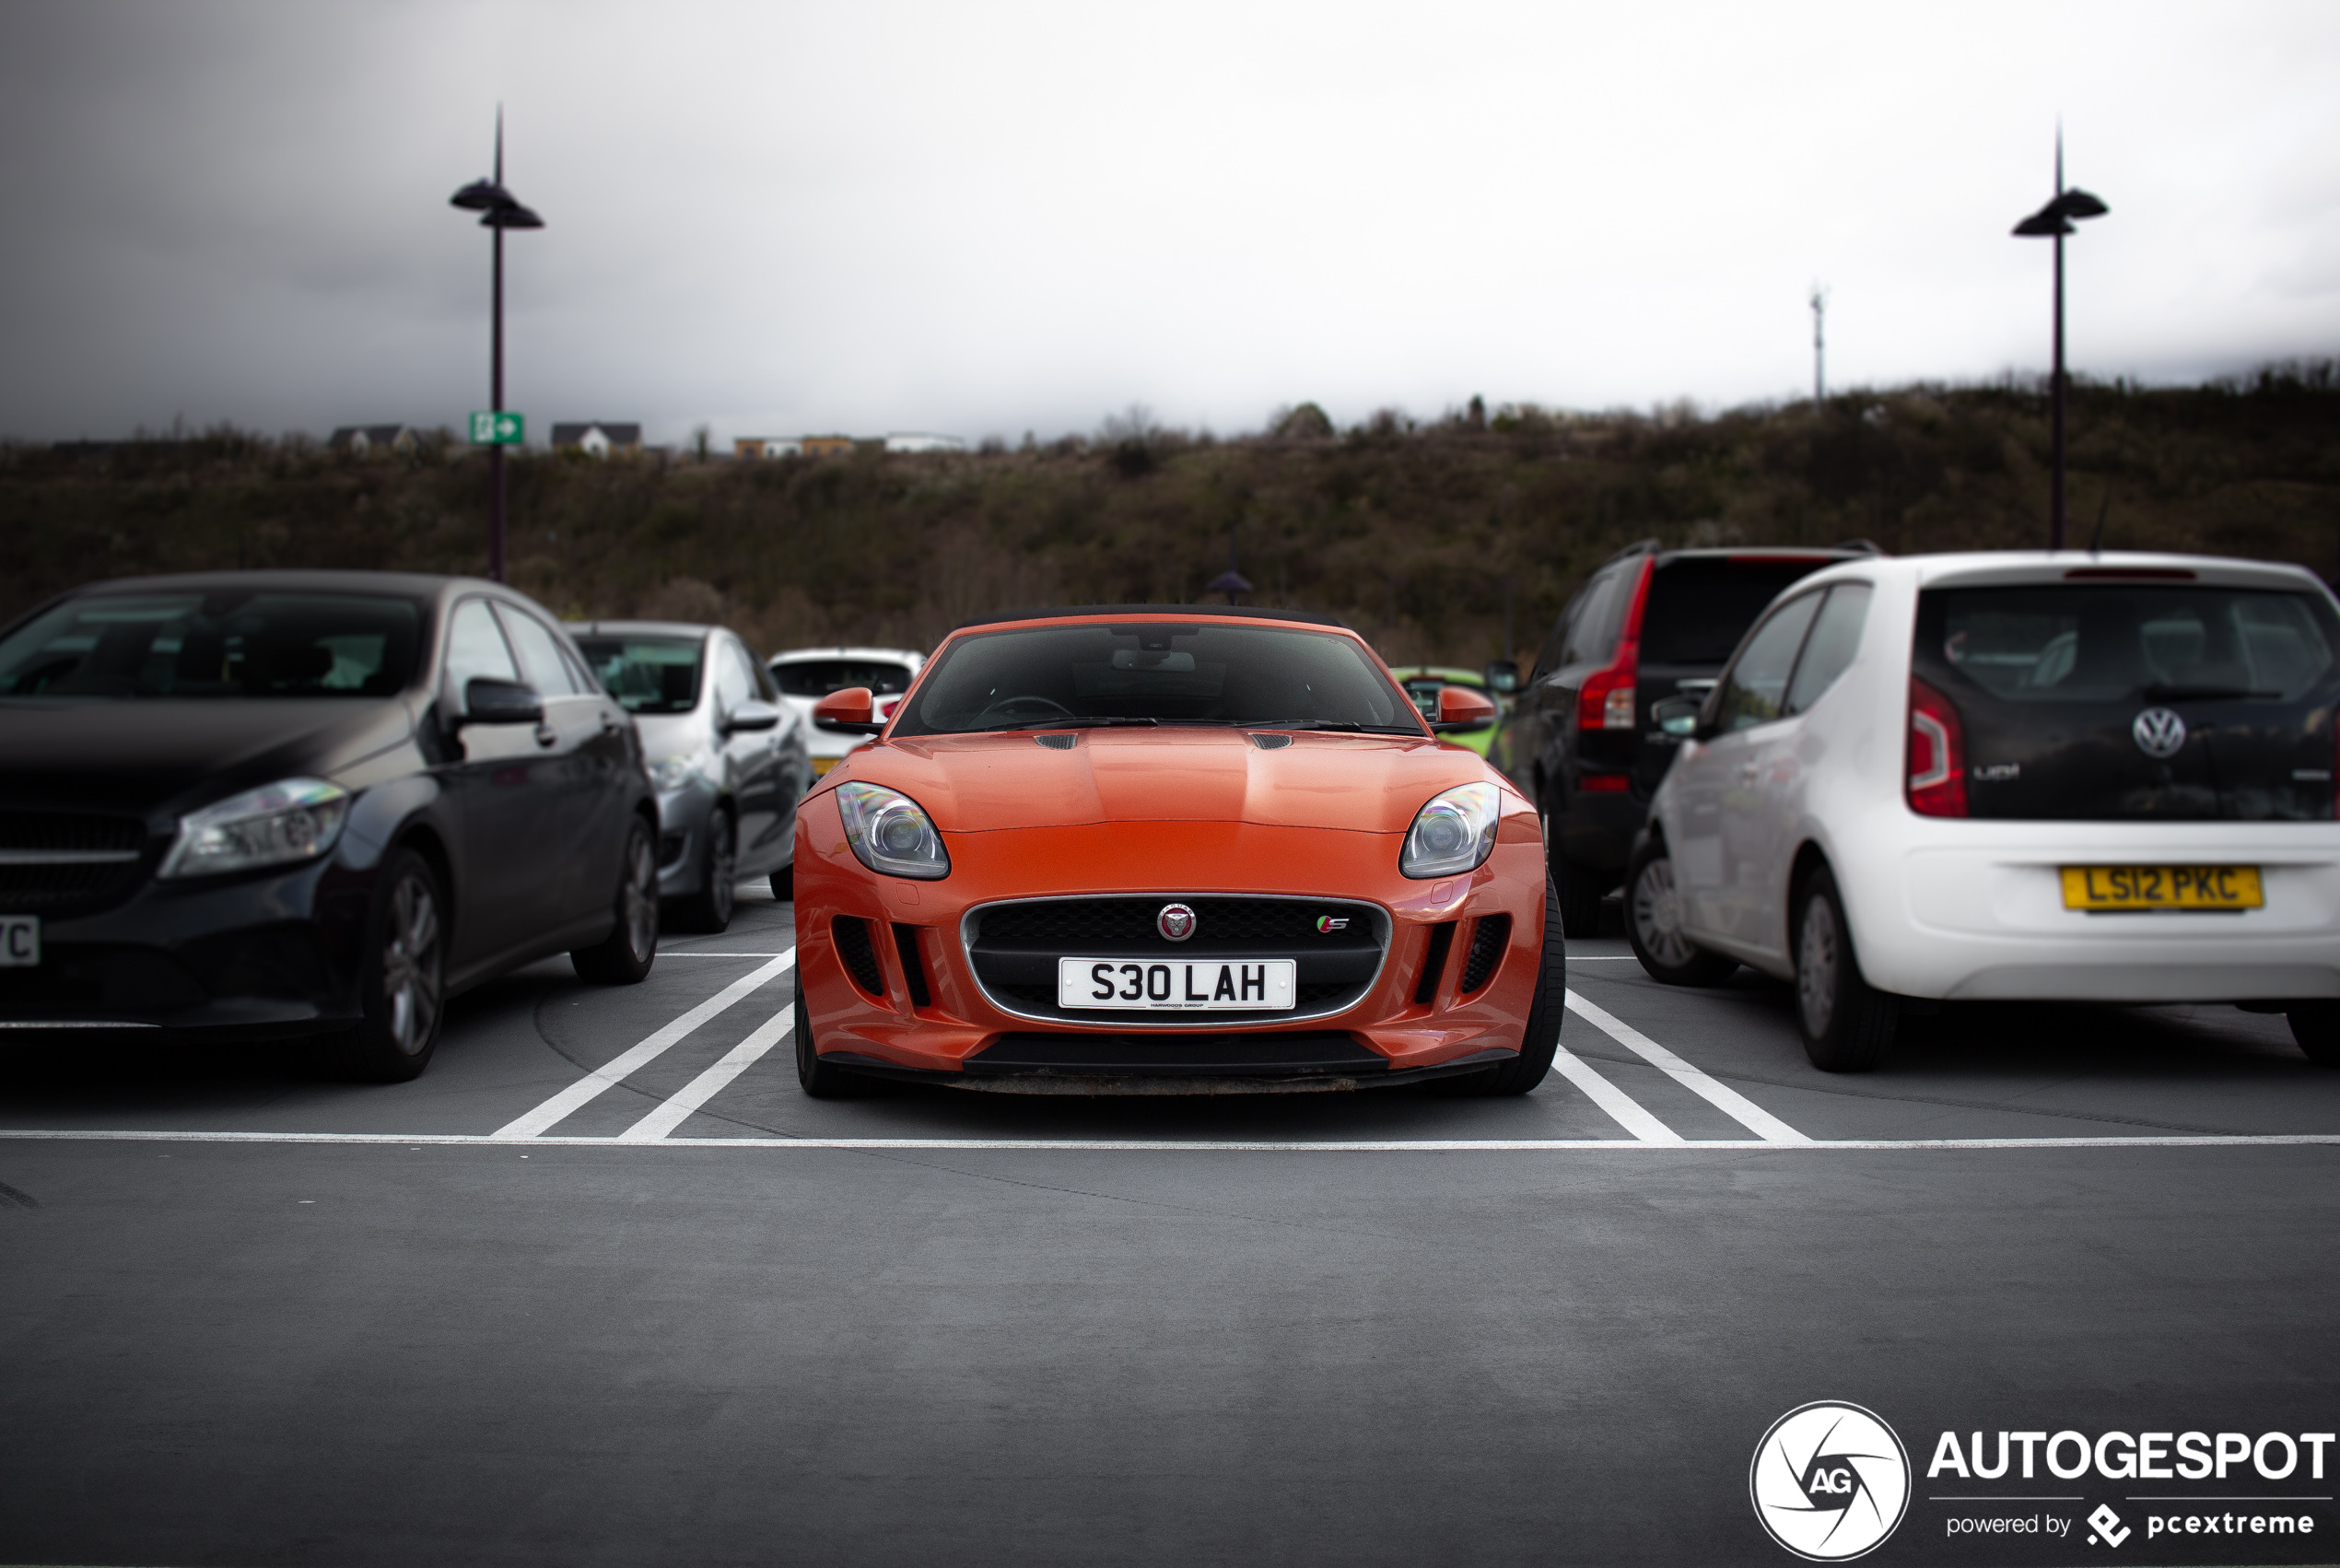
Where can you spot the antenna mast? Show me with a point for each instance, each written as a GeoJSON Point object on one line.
{"type": "Point", "coordinates": [1819, 343]}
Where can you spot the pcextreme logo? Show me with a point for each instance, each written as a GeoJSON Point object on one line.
{"type": "Point", "coordinates": [1829, 1481]}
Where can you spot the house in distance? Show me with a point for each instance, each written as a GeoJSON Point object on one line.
{"type": "Point", "coordinates": [598, 438]}
{"type": "Point", "coordinates": [373, 441]}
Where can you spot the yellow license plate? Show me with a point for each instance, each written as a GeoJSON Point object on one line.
{"type": "Point", "coordinates": [2118, 888]}
{"type": "Point", "coordinates": [823, 764]}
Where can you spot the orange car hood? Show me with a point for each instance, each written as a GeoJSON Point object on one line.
{"type": "Point", "coordinates": [975, 783]}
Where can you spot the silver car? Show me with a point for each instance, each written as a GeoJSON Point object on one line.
{"type": "Point", "coordinates": [728, 759]}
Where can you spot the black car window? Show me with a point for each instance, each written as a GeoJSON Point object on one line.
{"type": "Point", "coordinates": [1828, 653]}
{"type": "Point", "coordinates": [1755, 690]}
{"type": "Point", "coordinates": [475, 649]}
{"type": "Point", "coordinates": [645, 671]}
{"type": "Point", "coordinates": [1203, 673]}
{"type": "Point", "coordinates": [1592, 631]}
{"type": "Point", "coordinates": [2104, 641]}
{"type": "Point", "coordinates": [818, 677]}
{"type": "Point", "coordinates": [1701, 605]}
{"type": "Point", "coordinates": [223, 642]}
{"type": "Point", "coordinates": [540, 652]}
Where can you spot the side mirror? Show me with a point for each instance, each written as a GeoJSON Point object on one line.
{"type": "Point", "coordinates": [1503, 677]}
{"type": "Point", "coordinates": [752, 715]}
{"type": "Point", "coordinates": [1459, 708]}
{"type": "Point", "coordinates": [847, 712]}
{"type": "Point", "coordinates": [487, 700]}
{"type": "Point", "coordinates": [1676, 717]}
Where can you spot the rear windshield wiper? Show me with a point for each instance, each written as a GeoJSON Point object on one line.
{"type": "Point", "coordinates": [2161, 693]}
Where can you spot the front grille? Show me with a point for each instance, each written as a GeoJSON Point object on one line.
{"type": "Point", "coordinates": [72, 981]}
{"type": "Point", "coordinates": [1487, 945]}
{"type": "Point", "coordinates": [31, 885]}
{"type": "Point", "coordinates": [1013, 949]}
{"type": "Point", "coordinates": [860, 958]}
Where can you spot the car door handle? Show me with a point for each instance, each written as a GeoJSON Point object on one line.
{"type": "Point", "coordinates": [546, 735]}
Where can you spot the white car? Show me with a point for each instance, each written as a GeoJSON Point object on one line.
{"type": "Point", "coordinates": [805, 676]}
{"type": "Point", "coordinates": [2073, 776]}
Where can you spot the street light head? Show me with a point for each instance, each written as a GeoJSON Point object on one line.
{"type": "Point", "coordinates": [2042, 223]}
{"type": "Point", "coordinates": [481, 195]}
{"type": "Point", "coordinates": [512, 216]}
{"type": "Point", "coordinates": [2076, 203]}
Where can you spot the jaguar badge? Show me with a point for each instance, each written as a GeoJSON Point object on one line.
{"type": "Point", "coordinates": [1176, 922]}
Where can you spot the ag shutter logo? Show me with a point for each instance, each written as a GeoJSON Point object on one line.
{"type": "Point", "coordinates": [2108, 1525]}
{"type": "Point", "coordinates": [1829, 1481]}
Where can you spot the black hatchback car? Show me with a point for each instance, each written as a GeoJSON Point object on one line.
{"type": "Point", "coordinates": [238, 805]}
{"type": "Point", "coordinates": [1579, 739]}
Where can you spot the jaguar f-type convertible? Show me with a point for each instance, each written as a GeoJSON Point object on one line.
{"type": "Point", "coordinates": [1169, 849]}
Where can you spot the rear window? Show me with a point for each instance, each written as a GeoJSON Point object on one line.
{"type": "Point", "coordinates": [2103, 642]}
{"type": "Point", "coordinates": [819, 677]}
{"type": "Point", "coordinates": [1700, 607]}
{"type": "Point", "coordinates": [224, 643]}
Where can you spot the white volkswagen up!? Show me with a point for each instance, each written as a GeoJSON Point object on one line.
{"type": "Point", "coordinates": [2085, 778]}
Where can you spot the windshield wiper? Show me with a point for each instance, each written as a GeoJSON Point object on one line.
{"type": "Point", "coordinates": [1341, 726]}
{"type": "Point", "coordinates": [2160, 692]}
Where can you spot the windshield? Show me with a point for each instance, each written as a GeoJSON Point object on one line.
{"type": "Point", "coordinates": [1260, 677]}
{"type": "Point", "coordinates": [226, 643]}
{"type": "Point", "coordinates": [646, 675]}
{"type": "Point", "coordinates": [2102, 642]}
{"type": "Point", "coordinates": [818, 677]}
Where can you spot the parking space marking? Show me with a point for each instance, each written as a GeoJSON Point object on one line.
{"type": "Point", "coordinates": [602, 1078]}
{"type": "Point", "coordinates": [1288, 1146]}
{"type": "Point", "coordinates": [1623, 1108]}
{"type": "Point", "coordinates": [1721, 1096]}
{"type": "Point", "coordinates": [679, 1109]}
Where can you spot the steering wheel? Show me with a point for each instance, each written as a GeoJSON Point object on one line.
{"type": "Point", "coordinates": [1015, 707]}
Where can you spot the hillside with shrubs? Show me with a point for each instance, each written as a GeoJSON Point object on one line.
{"type": "Point", "coordinates": [1414, 531]}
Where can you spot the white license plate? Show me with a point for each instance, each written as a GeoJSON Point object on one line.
{"type": "Point", "coordinates": [1177, 985]}
{"type": "Point", "coordinates": [19, 940]}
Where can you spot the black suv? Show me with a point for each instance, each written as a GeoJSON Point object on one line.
{"type": "Point", "coordinates": [1579, 739]}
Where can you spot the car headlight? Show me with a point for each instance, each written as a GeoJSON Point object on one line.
{"type": "Point", "coordinates": [1456, 831]}
{"type": "Point", "coordinates": [276, 825]}
{"type": "Point", "coordinates": [889, 834]}
{"type": "Point", "coordinates": [669, 774]}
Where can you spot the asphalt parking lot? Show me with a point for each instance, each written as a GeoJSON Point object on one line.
{"type": "Point", "coordinates": [605, 1287]}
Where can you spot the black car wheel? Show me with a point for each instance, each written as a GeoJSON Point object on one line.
{"type": "Point", "coordinates": [403, 991]}
{"type": "Point", "coordinates": [784, 882]}
{"type": "Point", "coordinates": [2316, 1025]}
{"type": "Point", "coordinates": [709, 910]}
{"type": "Point", "coordinates": [1654, 923]}
{"type": "Point", "coordinates": [1847, 1024]}
{"type": "Point", "coordinates": [623, 958]}
{"type": "Point", "coordinates": [820, 1079]}
{"type": "Point", "coordinates": [1540, 1041]}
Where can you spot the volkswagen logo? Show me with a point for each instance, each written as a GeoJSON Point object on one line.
{"type": "Point", "coordinates": [1829, 1481]}
{"type": "Point", "coordinates": [2159, 732]}
{"type": "Point", "coordinates": [1176, 922]}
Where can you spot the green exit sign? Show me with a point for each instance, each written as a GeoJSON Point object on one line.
{"type": "Point", "coordinates": [491, 429]}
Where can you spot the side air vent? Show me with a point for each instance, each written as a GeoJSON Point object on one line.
{"type": "Point", "coordinates": [905, 943]}
{"type": "Point", "coordinates": [1442, 937]}
{"type": "Point", "coordinates": [860, 958]}
{"type": "Point", "coordinates": [1058, 743]}
{"type": "Point", "coordinates": [1486, 944]}
{"type": "Point", "coordinates": [1269, 743]}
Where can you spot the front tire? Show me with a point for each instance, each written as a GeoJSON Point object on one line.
{"type": "Point", "coordinates": [1653, 924]}
{"type": "Point", "coordinates": [2316, 1027]}
{"type": "Point", "coordinates": [820, 1079]}
{"type": "Point", "coordinates": [623, 957]}
{"type": "Point", "coordinates": [1540, 1041]}
{"type": "Point", "coordinates": [1847, 1024]}
{"type": "Point", "coordinates": [709, 910]}
{"type": "Point", "coordinates": [403, 987]}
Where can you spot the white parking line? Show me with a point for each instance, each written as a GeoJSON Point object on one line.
{"type": "Point", "coordinates": [1725, 1098]}
{"type": "Point", "coordinates": [1622, 1107]}
{"type": "Point", "coordinates": [679, 1109]}
{"type": "Point", "coordinates": [1190, 1146]}
{"type": "Point", "coordinates": [604, 1078]}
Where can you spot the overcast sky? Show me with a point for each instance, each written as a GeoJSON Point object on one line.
{"type": "Point", "coordinates": [983, 219]}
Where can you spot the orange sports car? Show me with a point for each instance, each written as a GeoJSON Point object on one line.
{"type": "Point", "coordinates": [1168, 850]}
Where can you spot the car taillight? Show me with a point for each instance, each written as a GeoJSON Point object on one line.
{"type": "Point", "coordinates": [1937, 754]}
{"type": "Point", "coordinates": [885, 706]}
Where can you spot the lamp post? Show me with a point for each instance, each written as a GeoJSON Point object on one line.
{"type": "Point", "coordinates": [2054, 221]}
{"type": "Point", "coordinates": [499, 210]}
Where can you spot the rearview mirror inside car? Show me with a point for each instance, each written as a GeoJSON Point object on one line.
{"type": "Point", "coordinates": [1675, 716]}
{"type": "Point", "coordinates": [487, 700]}
{"type": "Point", "coordinates": [847, 711]}
{"type": "Point", "coordinates": [1502, 676]}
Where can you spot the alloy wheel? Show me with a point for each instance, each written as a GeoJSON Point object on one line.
{"type": "Point", "coordinates": [1817, 951]}
{"type": "Point", "coordinates": [1657, 915]}
{"type": "Point", "coordinates": [722, 868]}
{"type": "Point", "coordinates": [410, 966]}
{"type": "Point", "coordinates": [639, 896]}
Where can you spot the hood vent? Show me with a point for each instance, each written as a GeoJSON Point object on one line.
{"type": "Point", "coordinates": [1058, 743]}
{"type": "Point", "coordinates": [1269, 743]}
